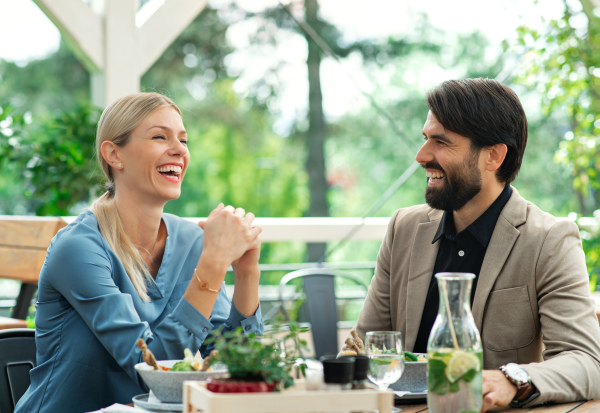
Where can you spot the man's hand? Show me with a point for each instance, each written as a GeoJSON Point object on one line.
{"type": "Point", "coordinates": [497, 390]}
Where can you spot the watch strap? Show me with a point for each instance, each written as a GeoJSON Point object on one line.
{"type": "Point", "coordinates": [521, 403]}
{"type": "Point", "coordinates": [521, 390]}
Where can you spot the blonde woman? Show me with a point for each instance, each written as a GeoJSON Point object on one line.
{"type": "Point", "coordinates": [125, 270]}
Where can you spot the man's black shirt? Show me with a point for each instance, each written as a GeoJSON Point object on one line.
{"type": "Point", "coordinates": [463, 252]}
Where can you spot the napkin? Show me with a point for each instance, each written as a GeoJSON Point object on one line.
{"type": "Point", "coordinates": [121, 408]}
{"type": "Point", "coordinates": [152, 398]}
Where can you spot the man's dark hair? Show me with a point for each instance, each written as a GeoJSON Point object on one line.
{"type": "Point", "coordinates": [486, 112]}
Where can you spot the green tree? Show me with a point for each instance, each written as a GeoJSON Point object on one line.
{"type": "Point", "coordinates": [564, 60]}
{"type": "Point", "coordinates": [12, 199]}
{"type": "Point", "coordinates": [34, 92]}
{"type": "Point", "coordinates": [55, 160]}
{"type": "Point", "coordinates": [43, 86]}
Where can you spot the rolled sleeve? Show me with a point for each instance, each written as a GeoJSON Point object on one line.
{"type": "Point", "coordinates": [192, 319]}
{"type": "Point", "coordinates": [252, 324]}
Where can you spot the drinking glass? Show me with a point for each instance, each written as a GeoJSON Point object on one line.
{"type": "Point", "coordinates": [384, 349]}
{"type": "Point", "coordinates": [386, 358]}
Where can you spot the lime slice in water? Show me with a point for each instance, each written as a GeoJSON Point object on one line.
{"type": "Point", "coordinates": [460, 363]}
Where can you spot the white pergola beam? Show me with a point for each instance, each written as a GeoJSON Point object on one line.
{"type": "Point", "coordinates": [81, 29]}
{"type": "Point", "coordinates": [121, 70]}
{"type": "Point", "coordinates": [106, 39]}
{"type": "Point", "coordinates": [163, 27]}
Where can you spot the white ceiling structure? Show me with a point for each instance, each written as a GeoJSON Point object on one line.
{"type": "Point", "coordinates": [116, 40]}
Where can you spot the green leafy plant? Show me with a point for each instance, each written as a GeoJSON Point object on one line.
{"type": "Point", "coordinates": [591, 246]}
{"type": "Point", "coordinates": [270, 358]}
{"type": "Point", "coordinates": [56, 159]}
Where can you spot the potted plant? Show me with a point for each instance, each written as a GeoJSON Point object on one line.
{"type": "Point", "coordinates": [257, 363]}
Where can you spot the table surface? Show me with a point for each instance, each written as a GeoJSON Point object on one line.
{"type": "Point", "coordinates": [576, 407]}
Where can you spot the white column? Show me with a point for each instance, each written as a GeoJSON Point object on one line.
{"type": "Point", "coordinates": [121, 50]}
{"type": "Point", "coordinates": [97, 84]}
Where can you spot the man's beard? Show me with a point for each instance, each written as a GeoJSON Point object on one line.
{"type": "Point", "coordinates": [460, 185]}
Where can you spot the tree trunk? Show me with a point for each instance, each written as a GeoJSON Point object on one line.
{"type": "Point", "coordinates": [315, 137]}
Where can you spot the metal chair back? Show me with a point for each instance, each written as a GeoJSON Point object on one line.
{"type": "Point", "coordinates": [320, 305]}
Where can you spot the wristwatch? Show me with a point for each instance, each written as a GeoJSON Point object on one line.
{"type": "Point", "coordinates": [518, 376]}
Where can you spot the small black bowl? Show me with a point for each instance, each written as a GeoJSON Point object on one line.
{"type": "Point", "coordinates": [338, 370]}
{"type": "Point", "coordinates": [361, 367]}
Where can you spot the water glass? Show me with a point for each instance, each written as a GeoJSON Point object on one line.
{"type": "Point", "coordinates": [386, 357]}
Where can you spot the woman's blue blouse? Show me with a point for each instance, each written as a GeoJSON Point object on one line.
{"type": "Point", "coordinates": [89, 317]}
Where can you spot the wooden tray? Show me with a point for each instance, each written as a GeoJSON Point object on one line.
{"type": "Point", "coordinates": [293, 400]}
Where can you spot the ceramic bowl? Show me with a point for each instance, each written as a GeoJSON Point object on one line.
{"type": "Point", "coordinates": [414, 378]}
{"type": "Point", "coordinates": [167, 386]}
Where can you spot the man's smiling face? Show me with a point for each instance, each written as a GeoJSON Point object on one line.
{"type": "Point", "coordinates": [453, 172]}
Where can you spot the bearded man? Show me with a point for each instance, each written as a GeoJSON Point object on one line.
{"type": "Point", "coordinates": [530, 297]}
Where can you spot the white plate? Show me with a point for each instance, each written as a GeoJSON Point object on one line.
{"type": "Point", "coordinates": [154, 404]}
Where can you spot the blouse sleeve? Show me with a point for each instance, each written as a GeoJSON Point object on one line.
{"type": "Point", "coordinates": [226, 316]}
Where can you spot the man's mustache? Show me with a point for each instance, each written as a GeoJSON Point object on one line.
{"type": "Point", "coordinates": [433, 165]}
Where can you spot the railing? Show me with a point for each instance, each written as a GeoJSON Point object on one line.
{"type": "Point", "coordinates": [327, 230]}
{"type": "Point", "coordinates": [315, 229]}
{"type": "Point", "coordinates": [337, 229]}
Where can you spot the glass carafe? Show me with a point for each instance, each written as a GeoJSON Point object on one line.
{"type": "Point", "coordinates": [454, 355]}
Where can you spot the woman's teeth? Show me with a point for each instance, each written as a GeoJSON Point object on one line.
{"type": "Point", "coordinates": [170, 168]}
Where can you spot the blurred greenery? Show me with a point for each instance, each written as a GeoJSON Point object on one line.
{"type": "Point", "coordinates": [55, 160]}
{"type": "Point", "coordinates": [564, 60]}
{"type": "Point", "coordinates": [590, 238]}
{"type": "Point", "coordinates": [239, 156]}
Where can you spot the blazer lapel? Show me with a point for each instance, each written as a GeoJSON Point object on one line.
{"type": "Point", "coordinates": [504, 237]}
{"type": "Point", "coordinates": [422, 261]}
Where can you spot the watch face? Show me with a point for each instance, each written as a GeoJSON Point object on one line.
{"type": "Point", "coordinates": [517, 373]}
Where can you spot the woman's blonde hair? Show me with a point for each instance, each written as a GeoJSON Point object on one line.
{"type": "Point", "coordinates": [117, 122]}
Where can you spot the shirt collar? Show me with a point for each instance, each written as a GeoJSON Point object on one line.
{"type": "Point", "coordinates": [483, 227]}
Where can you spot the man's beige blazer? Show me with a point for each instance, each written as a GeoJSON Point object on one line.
{"type": "Point", "coordinates": [532, 304]}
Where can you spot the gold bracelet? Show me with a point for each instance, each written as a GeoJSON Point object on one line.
{"type": "Point", "coordinates": [204, 284]}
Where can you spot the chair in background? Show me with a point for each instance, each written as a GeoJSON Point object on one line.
{"type": "Point", "coordinates": [17, 357]}
{"type": "Point", "coordinates": [320, 306]}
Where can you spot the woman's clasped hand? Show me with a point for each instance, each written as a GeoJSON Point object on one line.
{"type": "Point", "coordinates": [230, 237]}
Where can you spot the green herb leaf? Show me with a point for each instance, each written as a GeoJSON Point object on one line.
{"type": "Point", "coordinates": [269, 358]}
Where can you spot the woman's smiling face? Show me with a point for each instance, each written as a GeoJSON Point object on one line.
{"type": "Point", "coordinates": [155, 158]}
